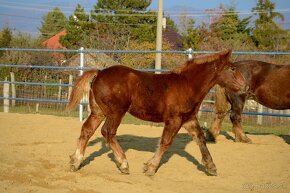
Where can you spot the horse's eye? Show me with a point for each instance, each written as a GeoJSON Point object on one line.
{"type": "Point", "coordinates": [233, 68]}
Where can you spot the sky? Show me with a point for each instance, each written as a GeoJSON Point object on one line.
{"type": "Point", "coordinates": [26, 15]}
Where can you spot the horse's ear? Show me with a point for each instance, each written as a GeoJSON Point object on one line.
{"type": "Point", "coordinates": [225, 55]}
{"type": "Point", "coordinates": [228, 53]}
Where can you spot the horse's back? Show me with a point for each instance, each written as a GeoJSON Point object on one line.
{"type": "Point", "coordinates": [123, 88]}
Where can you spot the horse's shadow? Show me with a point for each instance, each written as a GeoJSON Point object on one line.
{"type": "Point", "coordinates": [210, 138]}
{"type": "Point", "coordinates": [286, 138]}
{"type": "Point", "coordinates": [148, 144]}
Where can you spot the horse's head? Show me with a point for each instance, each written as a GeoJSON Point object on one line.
{"type": "Point", "coordinates": [229, 77]}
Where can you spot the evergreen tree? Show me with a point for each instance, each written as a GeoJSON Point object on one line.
{"type": "Point", "coordinates": [53, 22]}
{"type": "Point", "coordinates": [121, 18]}
{"type": "Point", "coordinates": [230, 26]}
{"type": "Point", "coordinates": [5, 38]}
{"type": "Point", "coordinates": [243, 26]}
{"type": "Point", "coordinates": [171, 23]}
{"type": "Point", "coordinates": [267, 34]}
{"type": "Point", "coordinates": [78, 30]}
{"type": "Point", "coordinates": [191, 36]}
{"type": "Point", "coordinates": [228, 30]}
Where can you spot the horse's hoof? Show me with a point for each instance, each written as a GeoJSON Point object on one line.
{"type": "Point", "coordinates": [209, 137]}
{"type": "Point", "coordinates": [149, 169]}
{"type": "Point", "coordinates": [150, 173]}
{"type": "Point", "coordinates": [145, 168]}
{"type": "Point", "coordinates": [243, 139]}
{"type": "Point", "coordinates": [211, 172]}
{"type": "Point", "coordinates": [74, 163]}
{"type": "Point", "coordinates": [124, 171]}
{"type": "Point", "coordinates": [74, 168]}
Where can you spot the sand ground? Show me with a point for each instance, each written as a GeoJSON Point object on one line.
{"type": "Point", "coordinates": [35, 148]}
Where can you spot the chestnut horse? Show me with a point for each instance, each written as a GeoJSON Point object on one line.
{"type": "Point", "coordinates": [173, 98]}
{"type": "Point", "coordinates": [268, 84]}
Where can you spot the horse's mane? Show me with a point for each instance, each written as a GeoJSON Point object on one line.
{"type": "Point", "coordinates": [207, 58]}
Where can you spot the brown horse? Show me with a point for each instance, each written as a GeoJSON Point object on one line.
{"type": "Point", "coordinates": [173, 98]}
{"type": "Point", "coordinates": [268, 84]}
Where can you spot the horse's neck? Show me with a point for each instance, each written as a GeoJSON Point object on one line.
{"type": "Point", "coordinates": [202, 77]}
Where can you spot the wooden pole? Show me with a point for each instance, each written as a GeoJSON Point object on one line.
{"type": "Point", "coordinates": [13, 90]}
{"type": "Point", "coordinates": [260, 117]}
{"type": "Point", "coordinates": [81, 107]}
{"type": "Point", "coordinates": [44, 87]}
{"type": "Point", "coordinates": [159, 35]}
{"type": "Point", "coordinates": [70, 81]}
{"type": "Point", "coordinates": [37, 108]}
{"type": "Point", "coordinates": [199, 112]}
{"type": "Point", "coordinates": [59, 90]}
{"type": "Point", "coordinates": [6, 95]}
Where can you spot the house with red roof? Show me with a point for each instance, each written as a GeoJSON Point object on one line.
{"type": "Point", "coordinates": [53, 43]}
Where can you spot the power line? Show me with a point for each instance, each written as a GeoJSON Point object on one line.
{"type": "Point", "coordinates": [145, 14]}
{"type": "Point", "coordinates": [125, 10]}
{"type": "Point", "coordinates": [115, 23]}
{"type": "Point", "coordinates": [141, 13]}
{"type": "Point", "coordinates": [69, 7]}
{"type": "Point", "coordinates": [226, 13]}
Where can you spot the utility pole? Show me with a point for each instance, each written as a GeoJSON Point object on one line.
{"type": "Point", "coordinates": [159, 35]}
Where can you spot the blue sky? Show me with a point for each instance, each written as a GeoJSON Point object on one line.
{"type": "Point", "coordinates": [26, 15]}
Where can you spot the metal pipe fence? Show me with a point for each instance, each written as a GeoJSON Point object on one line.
{"type": "Point", "coordinates": [82, 67]}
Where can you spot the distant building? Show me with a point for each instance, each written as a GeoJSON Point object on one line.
{"type": "Point", "coordinates": [101, 59]}
{"type": "Point", "coordinates": [173, 38]}
{"type": "Point", "coordinates": [96, 60]}
{"type": "Point", "coordinates": [53, 43]}
{"type": "Point", "coordinates": [90, 59]}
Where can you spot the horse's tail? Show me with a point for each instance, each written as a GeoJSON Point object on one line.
{"type": "Point", "coordinates": [81, 88]}
{"type": "Point", "coordinates": [221, 102]}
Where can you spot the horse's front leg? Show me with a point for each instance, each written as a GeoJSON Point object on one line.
{"type": "Point", "coordinates": [194, 129]}
{"type": "Point", "coordinates": [214, 131]}
{"type": "Point", "coordinates": [170, 130]}
{"type": "Point", "coordinates": [236, 118]}
{"type": "Point", "coordinates": [222, 106]}
{"type": "Point", "coordinates": [88, 129]}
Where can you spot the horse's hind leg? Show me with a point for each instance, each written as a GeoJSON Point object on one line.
{"type": "Point", "coordinates": [109, 131]}
{"type": "Point", "coordinates": [194, 129]}
{"type": "Point", "coordinates": [88, 129]}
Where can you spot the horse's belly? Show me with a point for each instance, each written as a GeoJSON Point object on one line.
{"type": "Point", "coordinates": [274, 98]}
{"type": "Point", "coordinates": [275, 90]}
{"type": "Point", "coordinates": [146, 115]}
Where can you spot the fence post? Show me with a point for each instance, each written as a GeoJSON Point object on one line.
{"type": "Point", "coordinates": [6, 95]}
{"type": "Point", "coordinates": [59, 90]}
{"type": "Point", "coordinates": [189, 53]}
{"type": "Point", "coordinates": [260, 117]}
{"type": "Point", "coordinates": [13, 90]}
{"type": "Point", "coordinates": [159, 36]}
{"type": "Point", "coordinates": [81, 109]}
{"type": "Point", "coordinates": [37, 108]}
{"type": "Point", "coordinates": [44, 87]}
{"type": "Point", "coordinates": [70, 81]}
